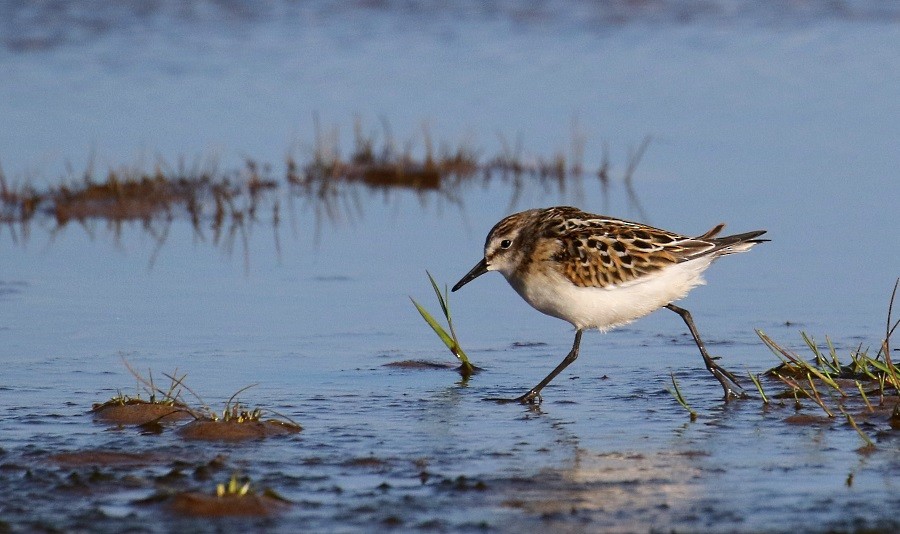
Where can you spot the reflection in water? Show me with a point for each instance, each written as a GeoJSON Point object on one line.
{"type": "Point", "coordinates": [220, 206]}
{"type": "Point", "coordinates": [223, 206]}
{"type": "Point", "coordinates": [615, 491]}
{"type": "Point", "coordinates": [39, 26]}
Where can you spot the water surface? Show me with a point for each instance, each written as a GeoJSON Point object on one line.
{"type": "Point", "coordinates": [762, 117]}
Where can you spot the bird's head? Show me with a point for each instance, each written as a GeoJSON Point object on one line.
{"type": "Point", "coordinates": [503, 248]}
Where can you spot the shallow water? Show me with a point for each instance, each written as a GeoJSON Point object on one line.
{"type": "Point", "coordinates": [763, 119]}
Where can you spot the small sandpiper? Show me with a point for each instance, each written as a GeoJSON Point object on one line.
{"type": "Point", "coordinates": [600, 272]}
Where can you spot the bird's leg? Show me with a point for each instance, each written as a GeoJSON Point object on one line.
{"type": "Point", "coordinates": [722, 375]}
{"type": "Point", "coordinates": [534, 394]}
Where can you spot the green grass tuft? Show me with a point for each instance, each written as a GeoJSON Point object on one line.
{"type": "Point", "coordinates": [821, 377]}
{"type": "Point", "coordinates": [450, 339]}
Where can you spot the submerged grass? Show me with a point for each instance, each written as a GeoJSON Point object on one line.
{"type": "Point", "coordinates": [466, 369]}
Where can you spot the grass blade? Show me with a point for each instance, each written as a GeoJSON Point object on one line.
{"type": "Point", "coordinates": [441, 298]}
{"type": "Point", "coordinates": [449, 338]}
{"type": "Point", "coordinates": [439, 330]}
{"type": "Point", "coordinates": [869, 443]}
{"type": "Point", "coordinates": [680, 398]}
{"type": "Point", "coordinates": [862, 393]}
{"type": "Point", "coordinates": [755, 379]}
{"type": "Point", "coordinates": [800, 362]}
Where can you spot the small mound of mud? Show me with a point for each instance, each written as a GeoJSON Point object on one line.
{"type": "Point", "coordinates": [140, 412]}
{"type": "Point", "coordinates": [527, 344]}
{"type": "Point", "coordinates": [813, 420]}
{"type": "Point", "coordinates": [236, 431]}
{"type": "Point", "coordinates": [420, 364]}
{"type": "Point", "coordinates": [425, 365]}
{"type": "Point", "coordinates": [370, 462]}
{"type": "Point", "coordinates": [202, 505]}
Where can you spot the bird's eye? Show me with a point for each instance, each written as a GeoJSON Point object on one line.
{"type": "Point", "coordinates": [506, 243]}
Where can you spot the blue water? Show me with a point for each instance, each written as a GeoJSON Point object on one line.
{"type": "Point", "coordinates": [775, 118]}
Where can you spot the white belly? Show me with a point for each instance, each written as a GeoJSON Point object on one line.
{"type": "Point", "coordinates": [605, 308]}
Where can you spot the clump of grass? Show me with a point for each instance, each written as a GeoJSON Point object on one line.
{"type": "Point", "coordinates": [466, 369]}
{"type": "Point", "coordinates": [241, 487]}
{"type": "Point", "coordinates": [235, 498]}
{"type": "Point", "coordinates": [676, 392]}
{"type": "Point", "coordinates": [820, 378]}
{"type": "Point", "coordinates": [233, 488]}
{"type": "Point", "coordinates": [235, 412]}
{"type": "Point", "coordinates": [238, 414]}
{"type": "Point", "coordinates": [156, 395]}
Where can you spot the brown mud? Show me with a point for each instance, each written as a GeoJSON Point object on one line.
{"type": "Point", "coordinates": [140, 412]}
{"type": "Point", "coordinates": [208, 430]}
{"type": "Point", "coordinates": [196, 504]}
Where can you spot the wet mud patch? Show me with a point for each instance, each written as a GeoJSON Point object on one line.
{"type": "Point", "coordinates": [231, 430]}
{"type": "Point", "coordinates": [196, 504]}
{"type": "Point", "coordinates": [466, 371]}
{"type": "Point", "coordinates": [808, 420]}
{"type": "Point", "coordinates": [140, 412]}
{"type": "Point", "coordinates": [420, 365]}
{"type": "Point", "coordinates": [106, 475]}
{"type": "Point", "coordinates": [527, 344]}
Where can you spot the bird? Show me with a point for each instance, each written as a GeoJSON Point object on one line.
{"type": "Point", "coordinates": [601, 272]}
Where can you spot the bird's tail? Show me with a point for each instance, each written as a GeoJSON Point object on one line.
{"type": "Point", "coordinates": [738, 243]}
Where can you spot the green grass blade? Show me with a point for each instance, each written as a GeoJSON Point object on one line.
{"type": "Point", "coordinates": [799, 362]}
{"type": "Point", "coordinates": [680, 398]}
{"type": "Point", "coordinates": [440, 297]}
{"type": "Point", "coordinates": [812, 346]}
{"type": "Point", "coordinates": [445, 337]}
{"type": "Point", "coordinates": [449, 339]}
{"type": "Point", "coordinates": [862, 434]}
{"type": "Point", "coordinates": [438, 329]}
{"type": "Point", "coordinates": [755, 379]}
{"type": "Point", "coordinates": [835, 363]}
{"type": "Point", "coordinates": [865, 398]}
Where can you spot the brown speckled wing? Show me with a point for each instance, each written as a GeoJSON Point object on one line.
{"type": "Point", "coordinates": [597, 251]}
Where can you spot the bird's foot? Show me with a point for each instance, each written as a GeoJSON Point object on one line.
{"type": "Point", "coordinates": [718, 370]}
{"type": "Point", "coordinates": [532, 397]}
{"type": "Point", "coordinates": [730, 385]}
{"type": "Point", "coordinates": [730, 393]}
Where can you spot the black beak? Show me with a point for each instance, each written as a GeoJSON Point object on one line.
{"type": "Point", "coordinates": [476, 271]}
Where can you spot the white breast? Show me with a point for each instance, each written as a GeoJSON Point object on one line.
{"type": "Point", "coordinates": [605, 308]}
